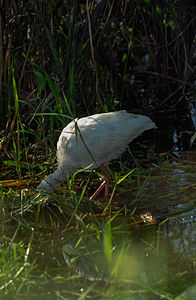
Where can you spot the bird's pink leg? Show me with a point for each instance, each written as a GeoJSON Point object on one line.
{"type": "Point", "coordinates": [105, 184]}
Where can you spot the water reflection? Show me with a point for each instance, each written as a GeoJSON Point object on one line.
{"type": "Point", "coordinates": [147, 261]}
{"type": "Point", "coordinates": [151, 256]}
{"type": "Point", "coordinates": [181, 232]}
{"type": "Point", "coordinates": [86, 259]}
{"type": "Point", "coordinates": [148, 256]}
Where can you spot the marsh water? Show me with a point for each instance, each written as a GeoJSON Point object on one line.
{"type": "Point", "coordinates": [122, 256]}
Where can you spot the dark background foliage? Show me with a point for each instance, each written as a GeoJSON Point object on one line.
{"type": "Point", "coordinates": [81, 57]}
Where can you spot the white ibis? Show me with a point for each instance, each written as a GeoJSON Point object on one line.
{"type": "Point", "coordinates": [94, 141]}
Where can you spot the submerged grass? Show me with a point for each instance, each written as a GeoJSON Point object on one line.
{"type": "Point", "coordinates": [103, 262]}
{"type": "Point", "coordinates": [64, 246]}
{"type": "Point", "coordinates": [14, 261]}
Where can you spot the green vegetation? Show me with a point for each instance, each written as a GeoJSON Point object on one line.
{"type": "Point", "coordinates": [64, 246]}
{"type": "Point", "coordinates": [65, 59]}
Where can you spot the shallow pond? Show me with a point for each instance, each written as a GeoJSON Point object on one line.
{"type": "Point", "coordinates": [143, 249]}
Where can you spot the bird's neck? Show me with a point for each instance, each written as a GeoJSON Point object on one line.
{"type": "Point", "coordinates": [55, 179]}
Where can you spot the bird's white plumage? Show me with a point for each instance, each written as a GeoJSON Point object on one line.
{"type": "Point", "coordinates": [94, 140]}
